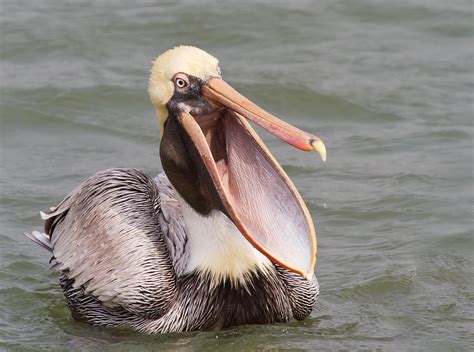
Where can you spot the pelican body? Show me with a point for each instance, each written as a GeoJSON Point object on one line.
{"type": "Point", "coordinates": [220, 238]}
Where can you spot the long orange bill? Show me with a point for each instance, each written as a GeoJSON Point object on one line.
{"type": "Point", "coordinates": [218, 90]}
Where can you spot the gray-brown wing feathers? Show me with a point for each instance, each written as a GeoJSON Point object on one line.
{"type": "Point", "coordinates": [173, 225]}
{"type": "Point", "coordinates": [40, 239]}
{"type": "Point", "coordinates": [106, 235]}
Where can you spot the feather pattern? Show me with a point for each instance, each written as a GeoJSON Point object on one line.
{"type": "Point", "coordinates": [120, 244]}
{"type": "Point", "coordinates": [172, 225]}
{"type": "Point", "coordinates": [112, 249]}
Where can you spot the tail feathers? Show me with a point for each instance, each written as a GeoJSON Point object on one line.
{"type": "Point", "coordinates": [41, 239]}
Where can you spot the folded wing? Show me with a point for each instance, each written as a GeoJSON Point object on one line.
{"type": "Point", "coordinates": [106, 236]}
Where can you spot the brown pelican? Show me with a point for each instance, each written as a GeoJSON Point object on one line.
{"type": "Point", "coordinates": [221, 238]}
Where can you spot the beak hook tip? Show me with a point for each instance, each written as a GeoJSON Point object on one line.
{"type": "Point", "coordinates": [319, 146]}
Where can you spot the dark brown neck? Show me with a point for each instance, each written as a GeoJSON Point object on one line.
{"type": "Point", "coordinates": [186, 171]}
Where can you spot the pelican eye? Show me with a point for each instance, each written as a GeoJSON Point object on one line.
{"type": "Point", "coordinates": [181, 81]}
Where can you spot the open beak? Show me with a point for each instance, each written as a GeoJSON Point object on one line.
{"type": "Point", "coordinates": [257, 194]}
{"type": "Point", "coordinates": [216, 89]}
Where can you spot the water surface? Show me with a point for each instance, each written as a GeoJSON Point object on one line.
{"type": "Point", "coordinates": [387, 85]}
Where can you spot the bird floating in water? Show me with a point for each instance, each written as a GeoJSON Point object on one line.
{"type": "Point", "coordinates": [221, 238]}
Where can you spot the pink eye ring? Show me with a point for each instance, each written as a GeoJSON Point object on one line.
{"type": "Point", "coordinates": [180, 80]}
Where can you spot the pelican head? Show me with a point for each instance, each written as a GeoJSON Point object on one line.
{"type": "Point", "coordinates": [217, 162]}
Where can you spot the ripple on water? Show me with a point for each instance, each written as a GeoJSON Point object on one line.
{"type": "Point", "coordinates": [379, 287]}
{"type": "Point", "coordinates": [303, 103]}
{"type": "Point", "coordinates": [85, 108]}
{"type": "Point", "coordinates": [386, 85]}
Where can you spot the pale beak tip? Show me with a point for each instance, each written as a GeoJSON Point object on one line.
{"type": "Point", "coordinates": [319, 146]}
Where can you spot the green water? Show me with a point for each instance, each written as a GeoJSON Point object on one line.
{"type": "Point", "coordinates": [388, 85]}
